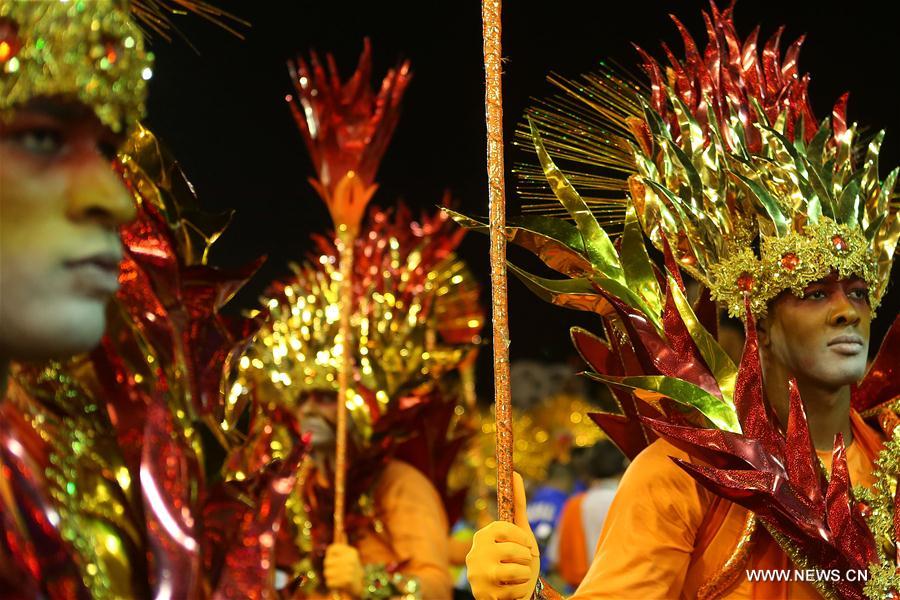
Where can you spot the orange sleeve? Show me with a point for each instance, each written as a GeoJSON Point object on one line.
{"type": "Point", "coordinates": [414, 518]}
{"type": "Point", "coordinates": [645, 548]}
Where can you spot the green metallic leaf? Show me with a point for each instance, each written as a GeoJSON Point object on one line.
{"type": "Point", "coordinates": [814, 209]}
{"type": "Point", "coordinates": [692, 139]}
{"type": "Point", "coordinates": [675, 204]}
{"type": "Point", "coordinates": [715, 357]}
{"type": "Point", "coordinates": [465, 221]}
{"type": "Point", "coordinates": [874, 226]}
{"type": "Point", "coordinates": [816, 151]}
{"type": "Point", "coordinates": [657, 127]}
{"type": "Point", "coordinates": [637, 265]}
{"type": "Point", "coordinates": [626, 295]}
{"type": "Point", "coordinates": [823, 191]}
{"type": "Point", "coordinates": [870, 166]}
{"type": "Point", "coordinates": [555, 241]}
{"type": "Point", "coordinates": [887, 189]}
{"type": "Point", "coordinates": [782, 226]}
{"type": "Point", "coordinates": [599, 248]}
{"type": "Point", "coordinates": [721, 415]}
{"type": "Point", "coordinates": [850, 203]}
{"type": "Point", "coordinates": [575, 293]}
{"type": "Point", "coordinates": [693, 177]}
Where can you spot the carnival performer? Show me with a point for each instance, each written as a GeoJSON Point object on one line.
{"type": "Point", "coordinates": [415, 321]}
{"type": "Point", "coordinates": [104, 492]}
{"type": "Point", "coordinates": [732, 177]}
{"type": "Point", "coordinates": [61, 126]}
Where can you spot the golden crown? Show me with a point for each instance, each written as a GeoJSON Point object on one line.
{"type": "Point", "coordinates": [91, 51]}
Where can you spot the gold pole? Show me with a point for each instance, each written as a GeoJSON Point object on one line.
{"type": "Point", "coordinates": [345, 248]}
{"type": "Point", "coordinates": [493, 99]}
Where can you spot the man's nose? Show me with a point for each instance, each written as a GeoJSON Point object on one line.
{"type": "Point", "coordinates": [843, 311]}
{"type": "Point", "coordinates": [98, 194]}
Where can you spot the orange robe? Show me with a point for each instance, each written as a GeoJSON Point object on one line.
{"type": "Point", "coordinates": [666, 536]}
{"type": "Point", "coordinates": [415, 530]}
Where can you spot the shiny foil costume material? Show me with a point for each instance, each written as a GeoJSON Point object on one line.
{"type": "Point", "coordinates": [111, 488]}
{"type": "Point", "coordinates": [415, 325]}
{"type": "Point", "coordinates": [721, 147]}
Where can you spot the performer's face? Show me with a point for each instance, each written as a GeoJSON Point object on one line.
{"type": "Point", "coordinates": [61, 204]}
{"type": "Point", "coordinates": [823, 337]}
{"type": "Point", "coordinates": [318, 414]}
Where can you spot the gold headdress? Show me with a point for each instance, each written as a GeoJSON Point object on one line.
{"type": "Point", "coordinates": [724, 161]}
{"type": "Point", "coordinates": [415, 317]}
{"type": "Point", "coordinates": [90, 50]}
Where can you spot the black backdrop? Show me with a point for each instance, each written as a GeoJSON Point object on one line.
{"type": "Point", "coordinates": [221, 109]}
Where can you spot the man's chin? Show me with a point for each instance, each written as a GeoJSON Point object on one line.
{"type": "Point", "coordinates": [839, 373]}
{"type": "Point", "coordinates": [62, 334]}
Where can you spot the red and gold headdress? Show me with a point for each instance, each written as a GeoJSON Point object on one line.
{"type": "Point", "coordinates": [722, 157]}
{"type": "Point", "coordinates": [415, 317]}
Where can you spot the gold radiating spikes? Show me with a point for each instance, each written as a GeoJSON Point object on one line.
{"type": "Point", "coordinates": [157, 15]}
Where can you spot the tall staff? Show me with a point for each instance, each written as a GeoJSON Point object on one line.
{"type": "Point", "coordinates": [493, 100]}
{"type": "Point", "coordinates": [347, 127]}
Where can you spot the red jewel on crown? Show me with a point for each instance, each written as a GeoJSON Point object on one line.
{"type": "Point", "coordinates": [789, 261]}
{"type": "Point", "coordinates": [112, 51]}
{"type": "Point", "coordinates": [10, 44]}
{"type": "Point", "coordinates": [840, 244]}
{"type": "Point", "coordinates": [745, 282]}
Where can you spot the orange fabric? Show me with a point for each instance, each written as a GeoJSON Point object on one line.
{"type": "Point", "coordinates": [651, 542]}
{"type": "Point", "coordinates": [415, 530]}
{"type": "Point", "coordinates": [572, 564]}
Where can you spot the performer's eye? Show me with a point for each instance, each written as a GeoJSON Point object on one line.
{"type": "Point", "coordinates": [41, 141]}
{"type": "Point", "coordinates": [814, 295]}
{"type": "Point", "coordinates": [860, 293]}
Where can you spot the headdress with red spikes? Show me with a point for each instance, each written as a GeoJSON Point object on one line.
{"type": "Point", "coordinates": [722, 157]}
{"type": "Point", "coordinates": [720, 162]}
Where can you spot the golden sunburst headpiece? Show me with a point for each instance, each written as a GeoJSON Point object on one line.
{"type": "Point", "coordinates": [90, 50]}
{"type": "Point", "coordinates": [415, 317]}
{"type": "Point", "coordinates": [724, 161]}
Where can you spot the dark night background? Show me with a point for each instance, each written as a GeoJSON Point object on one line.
{"type": "Point", "coordinates": [221, 109]}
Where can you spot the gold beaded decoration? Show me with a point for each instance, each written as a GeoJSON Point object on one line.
{"type": "Point", "coordinates": [88, 50]}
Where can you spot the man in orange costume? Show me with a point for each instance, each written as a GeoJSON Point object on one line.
{"type": "Point", "coordinates": [666, 536]}
{"type": "Point", "coordinates": [807, 277]}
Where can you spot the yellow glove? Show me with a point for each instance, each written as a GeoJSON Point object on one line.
{"type": "Point", "coordinates": [343, 570]}
{"type": "Point", "coordinates": [504, 561]}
